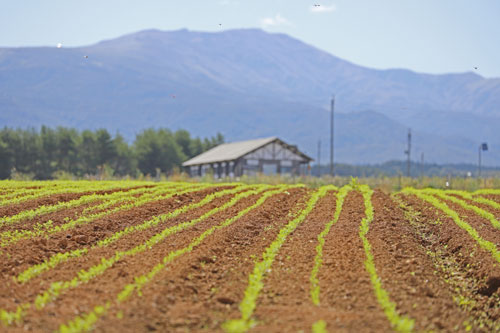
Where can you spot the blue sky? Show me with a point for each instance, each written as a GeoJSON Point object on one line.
{"type": "Point", "coordinates": [433, 36]}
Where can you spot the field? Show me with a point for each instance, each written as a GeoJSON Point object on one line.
{"type": "Point", "coordinates": [194, 257]}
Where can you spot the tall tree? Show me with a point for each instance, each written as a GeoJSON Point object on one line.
{"type": "Point", "coordinates": [105, 149]}
{"type": "Point", "coordinates": [48, 147]}
{"type": "Point", "coordinates": [157, 149]}
{"type": "Point", "coordinates": [124, 162]}
{"type": "Point", "coordinates": [87, 152]}
{"type": "Point", "coordinates": [183, 139]}
{"type": "Point", "coordinates": [67, 154]}
{"type": "Point", "coordinates": [5, 160]}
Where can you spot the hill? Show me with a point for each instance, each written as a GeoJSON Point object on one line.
{"type": "Point", "coordinates": [249, 83]}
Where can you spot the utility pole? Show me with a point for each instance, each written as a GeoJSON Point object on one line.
{"type": "Point", "coordinates": [331, 136]}
{"type": "Point", "coordinates": [408, 153]}
{"type": "Point", "coordinates": [479, 164]}
{"type": "Point", "coordinates": [482, 146]}
{"type": "Point", "coordinates": [319, 158]}
{"type": "Point", "coordinates": [422, 165]}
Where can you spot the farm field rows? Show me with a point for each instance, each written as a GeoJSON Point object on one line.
{"type": "Point", "coordinates": [229, 257]}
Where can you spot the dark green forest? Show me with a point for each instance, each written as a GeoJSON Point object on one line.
{"type": "Point", "coordinates": [45, 153]}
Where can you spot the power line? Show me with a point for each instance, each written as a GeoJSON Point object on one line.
{"type": "Point", "coordinates": [408, 153]}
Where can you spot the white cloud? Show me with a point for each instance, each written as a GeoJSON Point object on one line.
{"type": "Point", "coordinates": [274, 21]}
{"type": "Point", "coordinates": [322, 9]}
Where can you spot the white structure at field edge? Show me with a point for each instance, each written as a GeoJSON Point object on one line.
{"type": "Point", "coordinates": [268, 156]}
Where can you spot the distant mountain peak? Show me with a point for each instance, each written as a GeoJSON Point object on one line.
{"type": "Point", "coordinates": [244, 82]}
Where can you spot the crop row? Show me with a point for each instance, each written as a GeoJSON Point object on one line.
{"type": "Point", "coordinates": [398, 322]}
{"type": "Point", "coordinates": [320, 325]}
{"type": "Point", "coordinates": [84, 276]}
{"type": "Point", "coordinates": [19, 185]}
{"type": "Point", "coordinates": [481, 212]}
{"type": "Point", "coordinates": [462, 284]}
{"type": "Point", "coordinates": [58, 258]}
{"type": "Point", "coordinates": [318, 259]}
{"type": "Point", "coordinates": [18, 192]}
{"type": "Point", "coordinates": [442, 206]}
{"type": "Point", "coordinates": [478, 199]}
{"type": "Point", "coordinates": [73, 188]}
{"type": "Point", "coordinates": [255, 284]}
{"type": "Point", "coordinates": [47, 228]}
{"type": "Point", "coordinates": [487, 191]}
{"type": "Point", "coordinates": [86, 321]}
{"type": "Point", "coordinates": [83, 200]}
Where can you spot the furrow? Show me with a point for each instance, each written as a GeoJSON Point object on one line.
{"type": "Point", "coordinates": [84, 276]}
{"type": "Point", "coordinates": [487, 245]}
{"type": "Point", "coordinates": [398, 322]}
{"type": "Point", "coordinates": [465, 270]}
{"type": "Point", "coordinates": [59, 258]}
{"type": "Point", "coordinates": [87, 321]}
{"type": "Point", "coordinates": [262, 267]}
{"type": "Point", "coordinates": [48, 228]}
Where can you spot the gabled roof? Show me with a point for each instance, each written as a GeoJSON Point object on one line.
{"type": "Point", "coordinates": [234, 150]}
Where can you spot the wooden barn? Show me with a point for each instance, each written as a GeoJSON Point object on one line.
{"type": "Point", "coordinates": [268, 156]}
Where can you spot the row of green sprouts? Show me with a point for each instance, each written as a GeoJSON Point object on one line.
{"type": "Point", "coordinates": [130, 198]}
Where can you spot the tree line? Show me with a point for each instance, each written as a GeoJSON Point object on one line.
{"type": "Point", "coordinates": [42, 154]}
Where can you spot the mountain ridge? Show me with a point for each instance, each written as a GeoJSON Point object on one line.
{"type": "Point", "coordinates": [246, 83]}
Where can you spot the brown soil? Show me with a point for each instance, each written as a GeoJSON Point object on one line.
{"type": "Point", "coordinates": [488, 208]}
{"type": "Point", "coordinates": [483, 226]}
{"type": "Point", "coordinates": [107, 283]}
{"type": "Point", "coordinates": [59, 217]}
{"type": "Point", "coordinates": [432, 270]}
{"type": "Point", "coordinates": [443, 231]}
{"type": "Point", "coordinates": [25, 253]}
{"type": "Point", "coordinates": [52, 200]}
{"type": "Point", "coordinates": [470, 272]}
{"type": "Point", "coordinates": [346, 291]}
{"type": "Point", "coordinates": [56, 217]}
{"type": "Point", "coordinates": [113, 280]}
{"type": "Point", "coordinates": [407, 272]}
{"type": "Point", "coordinates": [203, 288]}
{"type": "Point", "coordinates": [293, 264]}
{"type": "Point", "coordinates": [494, 197]}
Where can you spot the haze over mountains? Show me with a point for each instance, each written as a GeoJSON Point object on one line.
{"type": "Point", "coordinates": [248, 84]}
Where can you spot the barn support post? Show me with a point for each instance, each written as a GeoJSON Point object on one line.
{"type": "Point", "coordinates": [238, 168]}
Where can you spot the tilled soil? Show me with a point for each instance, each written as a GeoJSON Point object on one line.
{"type": "Point", "coordinates": [293, 265]}
{"type": "Point", "coordinates": [97, 291]}
{"type": "Point", "coordinates": [431, 269]}
{"type": "Point", "coordinates": [442, 230]}
{"type": "Point", "coordinates": [494, 197]}
{"type": "Point", "coordinates": [347, 295]}
{"type": "Point", "coordinates": [27, 252]}
{"type": "Point", "coordinates": [52, 200]}
{"type": "Point", "coordinates": [483, 206]}
{"type": "Point", "coordinates": [407, 272]}
{"type": "Point", "coordinates": [202, 289]}
{"type": "Point", "coordinates": [471, 273]}
{"type": "Point", "coordinates": [483, 226]}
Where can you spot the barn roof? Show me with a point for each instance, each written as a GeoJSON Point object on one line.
{"type": "Point", "coordinates": [234, 150]}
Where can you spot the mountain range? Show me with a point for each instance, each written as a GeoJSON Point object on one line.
{"type": "Point", "coordinates": [248, 84]}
